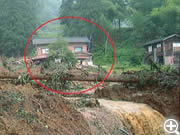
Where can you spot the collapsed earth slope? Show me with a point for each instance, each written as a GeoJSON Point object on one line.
{"type": "Point", "coordinates": [28, 111]}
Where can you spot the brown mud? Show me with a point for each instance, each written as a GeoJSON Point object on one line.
{"type": "Point", "coordinates": [28, 111]}
{"type": "Point", "coordinates": [121, 118]}
{"type": "Point", "coordinates": [167, 102]}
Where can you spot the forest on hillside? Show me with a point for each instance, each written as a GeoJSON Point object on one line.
{"type": "Point", "coordinates": [129, 23]}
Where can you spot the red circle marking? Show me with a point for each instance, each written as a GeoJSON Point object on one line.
{"type": "Point", "coordinates": [69, 93]}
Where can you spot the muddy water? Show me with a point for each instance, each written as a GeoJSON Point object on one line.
{"type": "Point", "coordinates": [139, 119]}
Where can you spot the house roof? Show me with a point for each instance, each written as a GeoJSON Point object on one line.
{"type": "Point", "coordinates": [160, 40]}
{"type": "Point", "coordinates": [77, 39]}
{"type": "Point", "coordinates": [40, 41]}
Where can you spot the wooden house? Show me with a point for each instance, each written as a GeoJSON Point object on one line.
{"type": "Point", "coordinates": [165, 50]}
{"type": "Point", "coordinates": [78, 45]}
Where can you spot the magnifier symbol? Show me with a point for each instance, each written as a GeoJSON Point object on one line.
{"type": "Point", "coordinates": [171, 126]}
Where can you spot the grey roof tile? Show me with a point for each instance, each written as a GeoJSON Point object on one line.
{"type": "Point", "coordinates": [160, 40]}
{"type": "Point", "coordinates": [41, 41]}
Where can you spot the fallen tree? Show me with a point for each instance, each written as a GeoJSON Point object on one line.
{"type": "Point", "coordinates": [78, 77]}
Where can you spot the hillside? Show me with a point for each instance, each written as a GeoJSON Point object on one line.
{"type": "Point", "coordinates": [28, 111]}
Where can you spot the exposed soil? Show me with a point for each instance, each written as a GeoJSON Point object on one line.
{"type": "Point", "coordinates": [166, 102]}
{"type": "Point", "coordinates": [103, 121]}
{"type": "Point", "coordinates": [139, 119]}
{"type": "Point", "coordinates": [28, 111]}
{"type": "Point", "coordinates": [121, 118]}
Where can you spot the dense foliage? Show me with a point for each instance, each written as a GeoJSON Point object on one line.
{"type": "Point", "coordinates": [129, 23]}
{"type": "Point", "coordinates": [60, 53]}
{"type": "Point", "coordinates": [59, 62]}
{"type": "Point", "coordinates": [18, 20]}
{"type": "Point", "coordinates": [48, 10]}
{"type": "Point", "coordinates": [154, 19]}
{"type": "Point", "coordinates": [103, 12]}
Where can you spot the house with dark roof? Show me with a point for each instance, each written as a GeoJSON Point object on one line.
{"type": "Point", "coordinates": [165, 50]}
{"type": "Point", "coordinates": [78, 45]}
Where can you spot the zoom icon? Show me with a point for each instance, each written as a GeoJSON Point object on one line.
{"type": "Point", "coordinates": [171, 126]}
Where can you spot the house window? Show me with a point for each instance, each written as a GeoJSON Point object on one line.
{"type": "Point", "coordinates": [149, 48]}
{"type": "Point", "coordinates": [158, 45]}
{"type": "Point", "coordinates": [45, 51]}
{"type": "Point", "coordinates": [78, 49]}
{"type": "Point", "coordinates": [176, 44]}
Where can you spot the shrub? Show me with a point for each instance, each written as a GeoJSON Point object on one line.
{"type": "Point", "coordinates": [59, 71]}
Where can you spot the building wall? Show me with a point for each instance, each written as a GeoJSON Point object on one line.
{"type": "Point", "coordinates": [83, 57]}
{"type": "Point", "coordinates": [175, 51]}
{"type": "Point", "coordinates": [84, 47]}
{"type": "Point", "coordinates": [177, 60]}
{"type": "Point", "coordinates": [159, 50]}
{"type": "Point", "coordinates": [70, 47]}
{"type": "Point", "coordinates": [171, 53]}
{"type": "Point", "coordinates": [169, 47]}
{"type": "Point", "coordinates": [39, 51]}
{"type": "Point", "coordinates": [176, 55]}
{"type": "Point", "coordinates": [169, 60]}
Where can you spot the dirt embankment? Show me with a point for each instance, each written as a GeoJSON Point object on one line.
{"type": "Point", "coordinates": [166, 102]}
{"type": "Point", "coordinates": [28, 111]}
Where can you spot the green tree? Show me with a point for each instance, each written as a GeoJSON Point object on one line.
{"type": "Point", "coordinates": [144, 6]}
{"type": "Point", "coordinates": [144, 20]}
{"type": "Point", "coordinates": [59, 51]}
{"type": "Point", "coordinates": [167, 18]}
{"type": "Point", "coordinates": [18, 20]}
{"type": "Point", "coordinates": [49, 9]}
{"type": "Point", "coordinates": [102, 12]}
{"type": "Point", "coordinates": [143, 26]}
{"type": "Point", "coordinates": [60, 61]}
{"type": "Point", "coordinates": [153, 19]}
